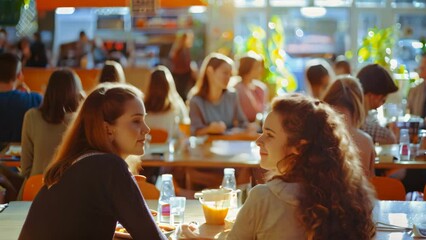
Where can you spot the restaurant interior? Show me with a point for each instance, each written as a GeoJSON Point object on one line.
{"type": "Point", "coordinates": [196, 168]}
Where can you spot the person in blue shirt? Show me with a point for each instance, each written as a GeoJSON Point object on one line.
{"type": "Point", "coordinates": [13, 103]}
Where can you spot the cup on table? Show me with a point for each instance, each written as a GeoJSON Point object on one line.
{"type": "Point", "coordinates": [177, 210]}
{"type": "Point", "coordinates": [215, 203]}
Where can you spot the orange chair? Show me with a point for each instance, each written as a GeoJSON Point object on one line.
{"type": "Point", "coordinates": [148, 190]}
{"type": "Point", "coordinates": [388, 188]}
{"type": "Point", "coordinates": [32, 186]}
{"type": "Point", "coordinates": [158, 135]}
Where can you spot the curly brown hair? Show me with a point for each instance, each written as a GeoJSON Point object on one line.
{"type": "Point", "coordinates": [336, 200]}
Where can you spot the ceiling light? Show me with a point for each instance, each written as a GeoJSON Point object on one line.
{"type": "Point", "coordinates": [65, 10]}
{"type": "Point", "coordinates": [197, 9]}
{"type": "Point", "coordinates": [313, 12]}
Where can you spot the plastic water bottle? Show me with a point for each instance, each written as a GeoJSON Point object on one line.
{"type": "Point", "coordinates": [230, 182]}
{"type": "Point", "coordinates": [229, 179]}
{"type": "Point", "coordinates": [404, 145]}
{"type": "Point", "coordinates": [167, 191]}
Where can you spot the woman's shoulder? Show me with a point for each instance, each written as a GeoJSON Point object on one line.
{"type": "Point", "coordinates": [259, 84]}
{"type": "Point", "coordinates": [33, 112]}
{"type": "Point", "coordinates": [105, 159]}
{"type": "Point", "coordinates": [362, 137]}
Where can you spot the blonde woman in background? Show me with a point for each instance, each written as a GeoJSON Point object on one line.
{"type": "Point", "coordinates": [346, 97]}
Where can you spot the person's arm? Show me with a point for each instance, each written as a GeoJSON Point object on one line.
{"type": "Point", "coordinates": [239, 114]}
{"type": "Point", "coordinates": [129, 205]}
{"type": "Point", "coordinates": [198, 125]}
{"type": "Point", "coordinates": [246, 223]}
{"type": "Point", "coordinates": [27, 152]}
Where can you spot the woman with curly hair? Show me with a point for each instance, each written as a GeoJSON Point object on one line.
{"type": "Point", "coordinates": [316, 188]}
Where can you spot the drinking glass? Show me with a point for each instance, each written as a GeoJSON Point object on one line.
{"type": "Point", "coordinates": [177, 210]}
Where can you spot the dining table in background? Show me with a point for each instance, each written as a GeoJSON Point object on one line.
{"type": "Point", "coordinates": [401, 213]}
{"type": "Point", "coordinates": [199, 152]}
{"type": "Point", "coordinates": [387, 158]}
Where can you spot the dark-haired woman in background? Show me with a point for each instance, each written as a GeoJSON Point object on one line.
{"type": "Point", "coordinates": [112, 71]}
{"type": "Point", "coordinates": [163, 104]}
{"type": "Point", "coordinates": [318, 76]}
{"type": "Point", "coordinates": [43, 127]}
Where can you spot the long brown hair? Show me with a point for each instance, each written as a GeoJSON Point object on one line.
{"type": "Point", "coordinates": [336, 201]}
{"type": "Point", "coordinates": [214, 60]}
{"type": "Point", "coordinates": [161, 83]}
{"type": "Point", "coordinates": [346, 92]}
{"type": "Point", "coordinates": [112, 72]}
{"type": "Point", "coordinates": [63, 94]}
{"type": "Point", "coordinates": [87, 133]}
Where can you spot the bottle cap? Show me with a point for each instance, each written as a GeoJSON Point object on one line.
{"type": "Point", "coordinates": [166, 177]}
{"type": "Point", "coordinates": [229, 170]}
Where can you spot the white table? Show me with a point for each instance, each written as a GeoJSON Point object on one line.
{"type": "Point", "coordinates": [403, 213]}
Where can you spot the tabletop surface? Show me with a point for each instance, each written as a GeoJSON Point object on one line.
{"type": "Point", "coordinates": [402, 213]}
{"type": "Point", "coordinates": [197, 152]}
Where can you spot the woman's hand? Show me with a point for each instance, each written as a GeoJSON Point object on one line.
{"type": "Point", "coordinates": [217, 127]}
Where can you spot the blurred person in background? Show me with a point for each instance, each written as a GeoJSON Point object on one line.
{"type": "Point", "coordinates": [377, 84]}
{"type": "Point", "coordinates": [13, 103]}
{"type": "Point", "coordinates": [112, 71]}
{"type": "Point", "coordinates": [180, 55]}
{"type": "Point", "coordinates": [38, 56]}
{"type": "Point", "coordinates": [88, 186]}
{"type": "Point", "coordinates": [252, 93]}
{"type": "Point", "coordinates": [315, 178]}
{"type": "Point", "coordinates": [44, 126]}
{"type": "Point", "coordinates": [342, 66]}
{"type": "Point", "coordinates": [318, 76]}
{"type": "Point", "coordinates": [165, 109]}
{"type": "Point", "coordinates": [4, 45]}
{"type": "Point", "coordinates": [214, 109]}
{"type": "Point", "coordinates": [23, 50]}
{"type": "Point", "coordinates": [416, 96]}
{"type": "Point", "coordinates": [346, 97]}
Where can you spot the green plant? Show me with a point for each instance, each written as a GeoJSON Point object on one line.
{"type": "Point", "coordinates": [276, 73]}
{"type": "Point", "coordinates": [377, 46]}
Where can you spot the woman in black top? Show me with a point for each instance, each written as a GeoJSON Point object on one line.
{"type": "Point", "coordinates": [88, 187]}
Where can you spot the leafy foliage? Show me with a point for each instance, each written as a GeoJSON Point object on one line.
{"type": "Point", "coordinates": [377, 46]}
{"type": "Point", "coordinates": [276, 71]}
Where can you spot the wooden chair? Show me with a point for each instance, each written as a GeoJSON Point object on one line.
{"type": "Point", "coordinates": [388, 188]}
{"type": "Point", "coordinates": [424, 193]}
{"type": "Point", "coordinates": [32, 186]}
{"type": "Point", "coordinates": [158, 135]}
{"type": "Point", "coordinates": [148, 190]}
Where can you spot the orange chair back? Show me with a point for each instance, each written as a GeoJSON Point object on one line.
{"type": "Point", "coordinates": [148, 190]}
{"type": "Point", "coordinates": [388, 188]}
{"type": "Point", "coordinates": [158, 135]}
{"type": "Point", "coordinates": [32, 186]}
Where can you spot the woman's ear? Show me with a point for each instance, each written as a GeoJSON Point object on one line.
{"type": "Point", "coordinates": [299, 147]}
{"type": "Point", "coordinates": [109, 130]}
